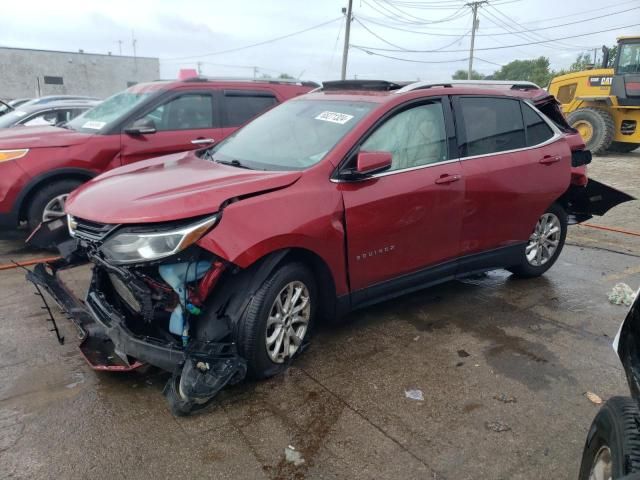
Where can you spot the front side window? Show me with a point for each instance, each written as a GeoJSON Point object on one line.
{"type": "Point", "coordinates": [537, 129]}
{"type": "Point", "coordinates": [414, 137]}
{"type": "Point", "coordinates": [292, 136]}
{"type": "Point", "coordinates": [629, 58]}
{"type": "Point", "coordinates": [241, 107]}
{"type": "Point", "coordinates": [108, 112]}
{"type": "Point", "coordinates": [491, 125]}
{"type": "Point", "coordinates": [44, 118]}
{"type": "Point", "coordinates": [186, 112]}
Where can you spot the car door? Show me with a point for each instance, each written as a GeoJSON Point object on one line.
{"type": "Point", "coordinates": [239, 106]}
{"type": "Point", "coordinates": [184, 121]}
{"type": "Point", "coordinates": [512, 173]}
{"type": "Point", "coordinates": [407, 218]}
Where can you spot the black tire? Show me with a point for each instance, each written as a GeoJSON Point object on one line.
{"type": "Point", "coordinates": [525, 269]}
{"type": "Point", "coordinates": [601, 123]}
{"type": "Point", "coordinates": [44, 195]}
{"type": "Point", "coordinates": [252, 329]}
{"type": "Point", "coordinates": [623, 147]}
{"type": "Point", "coordinates": [615, 427]}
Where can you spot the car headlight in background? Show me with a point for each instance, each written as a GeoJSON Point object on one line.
{"type": "Point", "coordinates": [132, 247]}
{"type": "Point", "coordinates": [6, 155]}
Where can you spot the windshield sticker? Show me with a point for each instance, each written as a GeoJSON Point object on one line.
{"type": "Point", "coordinates": [334, 117]}
{"type": "Point", "coordinates": [20, 113]}
{"type": "Point", "coordinates": [94, 125]}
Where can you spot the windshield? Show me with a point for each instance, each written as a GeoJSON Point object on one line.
{"type": "Point", "coordinates": [4, 108]}
{"type": "Point", "coordinates": [11, 118]}
{"type": "Point", "coordinates": [292, 136]}
{"type": "Point", "coordinates": [109, 111]}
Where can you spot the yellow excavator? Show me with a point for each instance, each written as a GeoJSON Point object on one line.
{"type": "Point", "coordinates": [603, 104]}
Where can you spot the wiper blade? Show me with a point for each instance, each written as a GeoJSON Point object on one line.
{"type": "Point", "coordinates": [234, 163]}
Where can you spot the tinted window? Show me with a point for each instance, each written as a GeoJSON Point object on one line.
{"type": "Point", "coordinates": [491, 125]}
{"type": "Point", "coordinates": [187, 112]}
{"type": "Point", "coordinates": [241, 108]}
{"type": "Point", "coordinates": [414, 137]}
{"type": "Point", "coordinates": [537, 129]}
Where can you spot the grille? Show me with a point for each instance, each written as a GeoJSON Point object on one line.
{"type": "Point", "coordinates": [91, 230]}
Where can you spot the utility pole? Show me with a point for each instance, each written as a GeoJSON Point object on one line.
{"type": "Point", "coordinates": [199, 66]}
{"type": "Point", "coordinates": [255, 72]}
{"type": "Point", "coordinates": [120, 47]}
{"type": "Point", "coordinates": [595, 52]}
{"type": "Point", "coordinates": [133, 43]}
{"type": "Point", "coordinates": [345, 50]}
{"type": "Point", "coordinates": [474, 8]}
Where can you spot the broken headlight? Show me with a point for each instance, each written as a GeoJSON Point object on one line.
{"type": "Point", "coordinates": [131, 246]}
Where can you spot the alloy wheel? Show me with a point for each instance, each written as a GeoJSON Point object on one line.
{"type": "Point", "coordinates": [54, 208]}
{"type": "Point", "coordinates": [288, 321]}
{"type": "Point", "coordinates": [544, 240]}
{"type": "Point", "coordinates": [602, 468]}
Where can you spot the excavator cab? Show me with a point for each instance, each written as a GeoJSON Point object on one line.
{"type": "Point", "coordinates": [626, 77]}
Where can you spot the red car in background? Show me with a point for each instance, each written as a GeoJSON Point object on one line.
{"type": "Point", "coordinates": [40, 166]}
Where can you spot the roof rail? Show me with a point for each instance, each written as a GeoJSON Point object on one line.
{"type": "Point", "coordinates": [378, 85]}
{"type": "Point", "coordinates": [281, 81]}
{"type": "Point", "coordinates": [499, 84]}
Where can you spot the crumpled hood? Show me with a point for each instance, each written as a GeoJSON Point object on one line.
{"type": "Point", "coordinates": [40, 137]}
{"type": "Point", "coordinates": [168, 188]}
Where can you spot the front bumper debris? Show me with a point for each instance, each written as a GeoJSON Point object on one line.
{"type": "Point", "coordinates": [203, 367]}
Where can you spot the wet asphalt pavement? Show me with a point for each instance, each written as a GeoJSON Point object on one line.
{"type": "Point", "coordinates": [503, 366]}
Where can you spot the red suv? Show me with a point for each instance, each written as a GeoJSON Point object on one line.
{"type": "Point", "coordinates": [215, 263]}
{"type": "Point", "coordinates": [39, 166]}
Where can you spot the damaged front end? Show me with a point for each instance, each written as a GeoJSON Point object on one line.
{"type": "Point", "coordinates": [149, 302]}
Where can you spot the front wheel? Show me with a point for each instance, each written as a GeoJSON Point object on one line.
{"type": "Point", "coordinates": [48, 203]}
{"type": "Point", "coordinates": [544, 244]}
{"type": "Point", "coordinates": [279, 320]}
{"type": "Point", "coordinates": [612, 449]}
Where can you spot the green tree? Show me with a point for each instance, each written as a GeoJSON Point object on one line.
{"type": "Point", "coordinates": [536, 71]}
{"type": "Point", "coordinates": [583, 62]}
{"type": "Point", "coordinates": [286, 76]}
{"type": "Point", "coordinates": [462, 75]}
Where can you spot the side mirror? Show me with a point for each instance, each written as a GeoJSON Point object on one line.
{"type": "Point", "coordinates": [369, 163]}
{"type": "Point", "coordinates": [142, 126]}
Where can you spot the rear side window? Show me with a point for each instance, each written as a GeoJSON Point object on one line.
{"type": "Point", "coordinates": [537, 129]}
{"type": "Point", "coordinates": [242, 106]}
{"type": "Point", "coordinates": [491, 125]}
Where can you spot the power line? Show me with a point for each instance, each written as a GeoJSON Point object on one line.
{"type": "Point", "coordinates": [458, 37]}
{"type": "Point", "coordinates": [407, 59]}
{"type": "Point", "coordinates": [502, 47]}
{"type": "Point", "coordinates": [378, 21]}
{"type": "Point", "coordinates": [389, 14]}
{"type": "Point", "coordinates": [257, 44]}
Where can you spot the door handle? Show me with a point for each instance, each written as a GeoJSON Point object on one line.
{"type": "Point", "coordinates": [202, 141]}
{"type": "Point", "coordinates": [550, 159]}
{"type": "Point", "coordinates": [446, 179]}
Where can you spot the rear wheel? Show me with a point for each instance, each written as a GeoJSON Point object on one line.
{"type": "Point", "coordinates": [595, 126]}
{"type": "Point", "coordinates": [612, 449]}
{"type": "Point", "coordinates": [623, 147]}
{"type": "Point", "coordinates": [48, 202]}
{"type": "Point", "coordinates": [545, 243]}
{"type": "Point", "coordinates": [279, 320]}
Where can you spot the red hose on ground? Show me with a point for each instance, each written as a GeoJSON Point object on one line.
{"type": "Point", "coordinates": [26, 263]}
{"type": "Point", "coordinates": [610, 229]}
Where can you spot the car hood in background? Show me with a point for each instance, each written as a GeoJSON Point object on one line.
{"type": "Point", "coordinates": [169, 188]}
{"type": "Point", "coordinates": [40, 137]}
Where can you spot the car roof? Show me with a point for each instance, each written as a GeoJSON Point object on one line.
{"type": "Point", "coordinates": [230, 82]}
{"type": "Point", "coordinates": [382, 91]}
{"type": "Point", "coordinates": [58, 104]}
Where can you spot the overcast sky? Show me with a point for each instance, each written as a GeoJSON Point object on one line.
{"type": "Point", "coordinates": [172, 30]}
